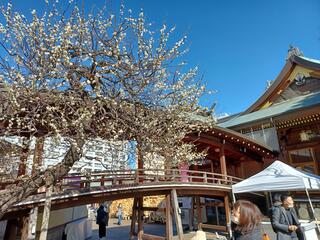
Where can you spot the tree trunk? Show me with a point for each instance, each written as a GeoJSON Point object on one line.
{"type": "Point", "coordinates": [28, 187]}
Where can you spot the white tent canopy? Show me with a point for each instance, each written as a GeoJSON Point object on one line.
{"type": "Point", "coordinates": [278, 177]}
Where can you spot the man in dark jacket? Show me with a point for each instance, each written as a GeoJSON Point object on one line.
{"type": "Point", "coordinates": [285, 221]}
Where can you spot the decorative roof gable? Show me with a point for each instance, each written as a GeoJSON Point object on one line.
{"type": "Point", "coordinates": [300, 76]}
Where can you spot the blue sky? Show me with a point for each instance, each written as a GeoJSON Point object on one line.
{"type": "Point", "coordinates": [238, 45]}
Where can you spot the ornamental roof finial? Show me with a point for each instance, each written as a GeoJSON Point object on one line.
{"type": "Point", "coordinates": [293, 51]}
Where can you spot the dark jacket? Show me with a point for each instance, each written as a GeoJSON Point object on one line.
{"type": "Point", "coordinates": [255, 234]}
{"type": "Point", "coordinates": [272, 211]}
{"type": "Point", "coordinates": [280, 224]}
{"type": "Point", "coordinates": [102, 216]}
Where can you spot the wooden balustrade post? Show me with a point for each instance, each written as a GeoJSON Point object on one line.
{"type": "Point", "coordinates": [157, 176]}
{"type": "Point", "coordinates": [102, 181]}
{"type": "Point", "coordinates": [114, 180]}
{"type": "Point", "coordinates": [205, 177]}
{"type": "Point", "coordinates": [88, 180]}
{"type": "Point", "coordinates": [229, 179]}
{"type": "Point", "coordinates": [82, 183]}
{"type": "Point", "coordinates": [137, 176]}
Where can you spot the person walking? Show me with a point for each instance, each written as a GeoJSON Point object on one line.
{"type": "Point", "coordinates": [285, 221]}
{"type": "Point", "coordinates": [119, 214]}
{"type": "Point", "coordinates": [246, 221]}
{"type": "Point", "coordinates": [102, 221]}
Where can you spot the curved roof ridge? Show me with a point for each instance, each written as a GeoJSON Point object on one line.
{"type": "Point", "coordinates": [291, 62]}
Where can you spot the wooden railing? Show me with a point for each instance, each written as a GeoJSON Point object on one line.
{"type": "Point", "coordinates": [145, 176]}
{"type": "Point", "coordinates": [135, 177]}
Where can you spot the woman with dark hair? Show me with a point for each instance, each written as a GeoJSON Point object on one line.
{"type": "Point", "coordinates": [246, 221]}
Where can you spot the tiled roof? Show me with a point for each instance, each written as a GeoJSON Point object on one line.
{"type": "Point", "coordinates": [275, 110]}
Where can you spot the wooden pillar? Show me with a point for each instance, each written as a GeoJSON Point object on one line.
{"type": "Point", "coordinates": [192, 215]}
{"type": "Point", "coordinates": [228, 213]}
{"type": "Point", "coordinates": [217, 215]}
{"type": "Point", "coordinates": [23, 157]}
{"type": "Point", "coordinates": [169, 230]}
{"type": "Point", "coordinates": [32, 224]}
{"type": "Point", "coordinates": [11, 230]}
{"type": "Point", "coordinates": [46, 214]}
{"type": "Point", "coordinates": [223, 164]}
{"type": "Point", "coordinates": [134, 218]}
{"type": "Point", "coordinates": [102, 181]}
{"type": "Point", "coordinates": [140, 218]}
{"type": "Point", "coordinates": [177, 213]}
{"type": "Point", "coordinates": [199, 212]}
{"type": "Point", "coordinates": [139, 159]}
{"type": "Point", "coordinates": [24, 227]}
{"type": "Point", "coordinates": [243, 175]}
{"type": "Point", "coordinates": [37, 156]}
{"type": "Point", "coordinates": [190, 211]}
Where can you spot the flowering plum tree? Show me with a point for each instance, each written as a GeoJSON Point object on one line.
{"type": "Point", "coordinates": [85, 76]}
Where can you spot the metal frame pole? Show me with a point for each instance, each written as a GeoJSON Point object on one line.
{"type": "Point", "coordinates": [314, 215]}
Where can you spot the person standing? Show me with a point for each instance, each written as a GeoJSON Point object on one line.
{"type": "Point", "coordinates": [102, 221]}
{"type": "Point", "coordinates": [285, 221]}
{"type": "Point", "coordinates": [119, 214]}
{"type": "Point", "coordinates": [276, 203]}
{"type": "Point", "coordinates": [106, 209]}
{"type": "Point", "coordinates": [246, 221]}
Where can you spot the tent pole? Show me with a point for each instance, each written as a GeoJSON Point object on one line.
{"type": "Point", "coordinates": [270, 197]}
{"type": "Point", "coordinates": [314, 215]}
{"type": "Point", "coordinates": [233, 197]}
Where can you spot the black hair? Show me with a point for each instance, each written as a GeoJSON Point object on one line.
{"type": "Point", "coordinates": [284, 197]}
{"type": "Point", "coordinates": [276, 197]}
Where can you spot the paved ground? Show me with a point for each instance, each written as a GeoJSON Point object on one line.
{"type": "Point", "coordinates": [115, 232]}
